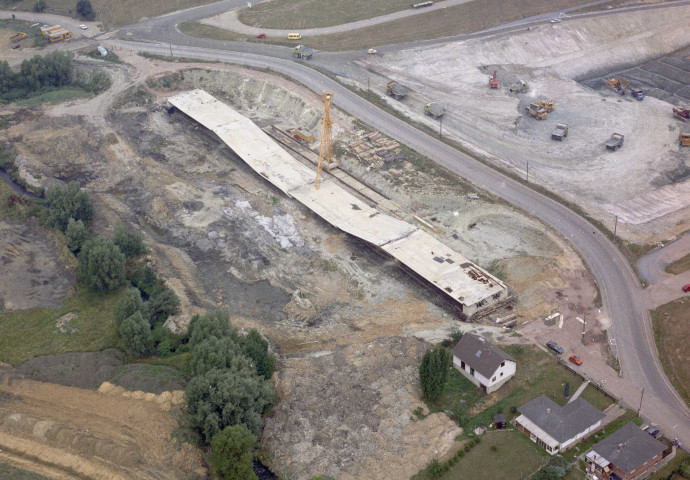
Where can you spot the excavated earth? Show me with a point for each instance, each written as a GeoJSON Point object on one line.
{"type": "Point", "coordinates": [347, 323]}
{"type": "Point", "coordinates": [646, 185]}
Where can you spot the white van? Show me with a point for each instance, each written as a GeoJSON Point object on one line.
{"type": "Point", "coordinates": [294, 36]}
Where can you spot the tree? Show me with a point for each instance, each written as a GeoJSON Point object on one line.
{"type": "Point", "coordinates": [101, 265]}
{"type": "Point", "coordinates": [221, 398]}
{"type": "Point", "coordinates": [162, 303]}
{"type": "Point", "coordinates": [85, 9]}
{"type": "Point", "coordinates": [53, 70]}
{"type": "Point", "coordinates": [144, 278]}
{"type": "Point", "coordinates": [232, 453]}
{"type": "Point", "coordinates": [136, 334]}
{"type": "Point", "coordinates": [75, 234]}
{"type": "Point", "coordinates": [66, 203]}
{"type": "Point", "coordinates": [131, 244]}
{"type": "Point", "coordinates": [128, 305]}
{"type": "Point", "coordinates": [566, 390]}
{"type": "Point", "coordinates": [214, 352]}
{"type": "Point", "coordinates": [215, 324]}
{"type": "Point", "coordinates": [39, 6]}
{"type": "Point", "coordinates": [256, 348]}
{"type": "Point", "coordinates": [7, 77]}
{"type": "Point", "coordinates": [433, 372]}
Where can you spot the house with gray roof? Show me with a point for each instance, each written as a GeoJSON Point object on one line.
{"type": "Point", "coordinates": [557, 428]}
{"type": "Point", "coordinates": [627, 454]}
{"type": "Point", "coordinates": [483, 363]}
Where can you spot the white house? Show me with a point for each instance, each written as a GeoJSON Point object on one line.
{"type": "Point", "coordinates": [557, 428]}
{"type": "Point", "coordinates": [483, 363]}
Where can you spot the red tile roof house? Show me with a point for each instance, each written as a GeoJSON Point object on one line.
{"type": "Point", "coordinates": [556, 428]}
{"type": "Point", "coordinates": [627, 454]}
{"type": "Point", "coordinates": [483, 363]}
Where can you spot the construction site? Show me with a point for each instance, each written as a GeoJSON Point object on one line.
{"type": "Point", "coordinates": [350, 252]}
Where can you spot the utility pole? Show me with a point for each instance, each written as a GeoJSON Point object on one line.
{"type": "Point", "coordinates": [440, 127]}
{"type": "Point", "coordinates": [615, 227]}
{"type": "Point", "coordinates": [641, 397]}
{"type": "Point", "coordinates": [368, 88]}
{"type": "Point", "coordinates": [584, 324]}
{"type": "Point", "coordinates": [527, 175]}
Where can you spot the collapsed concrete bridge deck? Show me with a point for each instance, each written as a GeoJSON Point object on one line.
{"type": "Point", "coordinates": [468, 286]}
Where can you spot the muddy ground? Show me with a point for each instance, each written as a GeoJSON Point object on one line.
{"type": "Point", "coordinates": [341, 316]}
{"type": "Point", "coordinates": [647, 180]}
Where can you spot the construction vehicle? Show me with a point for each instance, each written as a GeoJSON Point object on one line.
{"type": "Point", "coordinates": [300, 135]}
{"type": "Point", "coordinates": [560, 132]}
{"type": "Point", "coordinates": [46, 29]}
{"type": "Point", "coordinates": [615, 142]}
{"type": "Point", "coordinates": [396, 90]}
{"type": "Point", "coordinates": [637, 94]}
{"type": "Point", "coordinates": [57, 35]}
{"type": "Point", "coordinates": [520, 87]}
{"type": "Point", "coordinates": [681, 113]}
{"type": "Point", "coordinates": [537, 111]}
{"type": "Point", "coordinates": [493, 81]}
{"type": "Point", "coordinates": [547, 105]}
{"type": "Point", "coordinates": [18, 37]}
{"type": "Point", "coordinates": [302, 52]}
{"type": "Point", "coordinates": [618, 85]}
{"type": "Point", "coordinates": [326, 149]}
{"type": "Point", "coordinates": [684, 139]}
{"type": "Point", "coordinates": [435, 110]}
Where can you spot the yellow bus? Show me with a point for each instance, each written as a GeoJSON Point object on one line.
{"type": "Point", "coordinates": [294, 36]}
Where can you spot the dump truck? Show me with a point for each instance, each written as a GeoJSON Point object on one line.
{"type": "Point", "coordinates": [547, 105]}
{"type": "Point", "coordinates": [302, 52]}
{"type": "Point", "coordinates": [396, 90]}
{"type": "Point", "coordinates": [618, 85]}
{"type": "Point", "coordinates": [520, 87]}
{"type": "Point", "coordinates": [560, 132]}
{"type": "Point", "coordinates": [18, 37]}
{"type": "Point", "coordinates": [615, 142]}
{"type": "Point", "coordinates": [537, 111]}
{"type": "Point", "coordinates": [435, 110]}
{"type": "Point", "coordinates": [493, 81]}
{"type": "Point", "coordinates": [684, 139]}
{"type": "Point", "coordinates": [637, 94]}
{"type": "Point", "coordinates": [681, 113]}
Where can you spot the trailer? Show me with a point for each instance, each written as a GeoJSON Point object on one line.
{"type": "Point", "coordinates": [615, 142]}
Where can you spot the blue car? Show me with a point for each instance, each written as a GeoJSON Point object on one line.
{"type": "Point", "coordinates": [555, 347]}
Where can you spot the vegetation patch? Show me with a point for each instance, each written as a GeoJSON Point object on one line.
{"type": "Point", "coordinates": [679, 266]}
{"type": "Point", "coordinates": [108, 57]}
{"type": "Point", "coordinates": [173, 59]}
{"type": "Point", "coordinates": [135, 96]}
{"type": "Point", "coordinates": [671, 323]}
{"type": "Point", "coordinates": [166, 83]}
{"type": "Point", "coordinates": [8, 472]}
{"type": "Point", "coordinates": [7, 155]}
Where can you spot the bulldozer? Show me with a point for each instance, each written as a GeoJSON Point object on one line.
{"type": "Point", "coordinates": [618, 85]}
{"type": "Point", "coordinates": [537, 111]}
{"type": "Point", "coordinates": [681, 113]}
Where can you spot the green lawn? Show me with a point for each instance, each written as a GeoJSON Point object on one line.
{"type": "Point", "coordinates": [679, 266]}
{"type": "Point", "coordinates": [502, 454]}
{"type": "Point", "coordinates": [537, 373]}
{"type": "Point", "coordinates": [54, 96]}
{"type": "Point", "coordinates": [30, 333]}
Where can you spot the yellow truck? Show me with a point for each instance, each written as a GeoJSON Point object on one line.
{"type": "Point", "coordinates": [45, 30]}
{"type": "Point", "coordinates": [18, 37]}
{"type": "Point", "coordinates": [58, 35]}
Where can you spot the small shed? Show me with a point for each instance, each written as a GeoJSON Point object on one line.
{"type": "Point", "coordinates": [499, 421]}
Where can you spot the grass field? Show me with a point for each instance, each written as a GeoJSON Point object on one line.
{"type": "Point", "coordinates": [537, 373]}
{"type": "Point", "coordinates": [55, 96]}
{"type": "Point", "coordinates": [316, 13]}
{"type": "Point", "coordinates": [679, 266]}
{"type": "Point", "coordinates": [35, 39]}
{"type": "Point", "coordinates": [672, 466]}
{"type": "Point", "coordinates": [671, 324]}
{"type": "Point", "coordinates": [8, 472]}
{"type": "Point", "coordinates": [501, 454]}
{"type": "Point", "coordinates": [114, 14]}
{"type": "Point", "coordinates": [30, 333]}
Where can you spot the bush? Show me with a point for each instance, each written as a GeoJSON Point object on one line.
{"type": "Point", "coordinates": [136, 334]}
{"type": "Point", "coordinates": [232, 453]}
{"type": "Point", "coordinates": [51, 70]}
{"type": "Point", "coordinates": [433, 372]}
{"type": "Point", "coordinates": [162, 303]}
{"type": "Point", "coordinates": [566, 390]}
{"type": "Point", "coordinates": [168, 342]}
{"type": "Point", "coordinates": [85, 9]}
{"type": "Point", "coordinates": [66, 203]}
{"type": "Point", "coordinates": [75, 234]}
{"type": "Point", "coordinates": [256, 348]}
{"type": "Point", "coordinates": [128, 305]}
{"type": "Point", "coordinates": [221, 398]}
{"type": "Point", "coordinates": [215, 324]}
{"type": "Point", "coordinates": [39, 6]}
{"type": "Point", "coordinates": [101, 265]}
{"type": "Point", "coordinates": [130, 244]}
{"type": "Point", "coordinates": [214, 352]}
{"type": "Point", "coordinates": [144, 278]}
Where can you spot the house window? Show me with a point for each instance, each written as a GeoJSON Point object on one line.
{"type": "Point", "coordinates": [462, 364]}
{"type": "Point", "coordinates": [503, 364]}
{"type": "Point", "coordinates": [501, 373]}
{"type": "Point", "coordinates": [493, 379]}
{"type": "Point", "coordinates": [472, 371]}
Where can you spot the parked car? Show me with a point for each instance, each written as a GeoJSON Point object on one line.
{"type": "Point", "coordinates": [83, 27]}
{"type": "Point", "coordinates": [16, 45]}
{"type": "Point", "coordinates": [555, 347]}
{"type": "Point", "coordinates": [686, 288]}
{"type": "Point", "coordinates": [575, 359]}
{"type": "Point", "coordinates": [261, 35]}
{"type": "Point", "coordinates": [555, 20]}
{"type": "Point", "coordinates": [653, 431]}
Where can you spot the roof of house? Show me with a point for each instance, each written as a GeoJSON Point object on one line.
{"type": "Point", "coordinates": [636, 448]}
{"type": "Point", "coordinates": [499, 418]}
{"type": "Point", "coordinates": [562, 423]}
{"type": "Point", "coordinates": [479, 354]}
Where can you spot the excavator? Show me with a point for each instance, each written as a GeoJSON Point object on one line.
{"type": "Point", "coordinates": [681, 113]}
{"type": "Point", "coordinates": [618, 85]}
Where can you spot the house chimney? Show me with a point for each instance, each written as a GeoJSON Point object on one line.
{"type": "Point", "coordinates": [548, 410]}
{"type": "Point", "coordinates": [620, 447]}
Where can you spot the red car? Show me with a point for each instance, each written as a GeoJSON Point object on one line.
{"type": "Point", "coordinates": [686, 288]}
{"type": "Point", "coordinates": [261, 35]}
{"type": "Point", "coordinates": [575, 359]}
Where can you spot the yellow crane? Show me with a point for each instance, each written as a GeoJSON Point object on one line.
{"type": "Point", "coordinates": [326, 150]}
